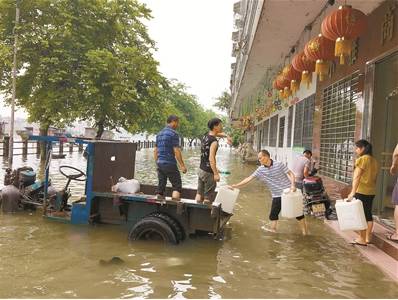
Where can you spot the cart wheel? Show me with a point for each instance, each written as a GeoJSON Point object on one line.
{"type": "Point", "coordinates": [152, 228]}
{"type": "Point", "coordinates": [174, 225]}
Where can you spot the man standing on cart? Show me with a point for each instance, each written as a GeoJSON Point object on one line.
{"type": "Point", "coordinates": [208, 174]}
{"type": "Point", "coordinates": [167, 152]}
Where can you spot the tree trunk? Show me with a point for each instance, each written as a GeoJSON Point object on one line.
{"type": "Point", "coordinates": [182, 142]}
{"type": "Point", "coordinates": [43, 131]}
{"type": "Point", "coordinates": [100, 131]}
{"type": "Point", "coordinates": [190, 142]}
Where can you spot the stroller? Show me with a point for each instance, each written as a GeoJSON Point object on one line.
{"type": "Point", "coordinates": [316, 200]}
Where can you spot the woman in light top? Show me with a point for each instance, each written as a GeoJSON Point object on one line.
{"type": "Point", "coordinates": [364, 186]}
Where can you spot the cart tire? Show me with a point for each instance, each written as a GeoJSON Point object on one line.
{"type": "Point", "coordinates": [150, 228]}
{"type": "Point", "coordinates": [174, 225]}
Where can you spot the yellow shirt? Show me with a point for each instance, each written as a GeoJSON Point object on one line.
{"type": "Point", "coordinates": [367, 182]}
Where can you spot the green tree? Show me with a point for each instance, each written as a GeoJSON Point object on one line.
{"type": "Point", "coordinates": [81, 59]}
{"type": "Point", "coordinates": [223, 102]}
{"type": "Point", "coordinates": [177, 100]}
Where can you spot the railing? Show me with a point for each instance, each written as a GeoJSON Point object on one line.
{"type": "Point", "coordinates": [33, 147]}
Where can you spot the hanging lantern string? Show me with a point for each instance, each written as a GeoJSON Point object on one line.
{"type": "Point", "coordinates": [309, 26]}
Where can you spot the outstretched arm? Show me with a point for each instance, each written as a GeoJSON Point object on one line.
{"type": "Point", "coordinates": [243, 182]}
{"type": "Point", "coordinates": [224, 135]}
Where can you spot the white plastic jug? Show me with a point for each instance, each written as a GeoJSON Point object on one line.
{"type": "Point", "coordinates": [227, 198]}
{"type": "Point", "coordinates": [292, 204]}
{"type": "Point", "coordinates": [351, 215]}
{"type": "Point", "coordinates": [127, 186]}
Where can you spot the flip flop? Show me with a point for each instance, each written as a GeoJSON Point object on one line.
{"type": "Point", "coordinates": [354, 242]}
{"type": "Point", "coordinates": [389, 237]}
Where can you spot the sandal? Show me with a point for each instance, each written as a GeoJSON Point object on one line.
{"type": "Point", "coordinates": [389, 237]}
{"type": "Point", "coordinates": [354, 242]}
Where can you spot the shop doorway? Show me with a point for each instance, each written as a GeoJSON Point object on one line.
{"type": "Point", "coordinates": [384, 133]}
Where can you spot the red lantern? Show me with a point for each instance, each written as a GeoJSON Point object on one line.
{"type": "Point", "coordinates": [293, 76]}
{"type": "Point", "coordinates": [320, 50]}
{"type": "Point", "coordinates": [280, 84]}
{"type": "Point", "coordinates": [304, 65]}
{"type": "Point", "coordinates": [343, 26]}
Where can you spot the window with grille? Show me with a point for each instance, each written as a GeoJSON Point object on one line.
{"type": "Point", "coordinates": [281, 131]}
{"type": "Point", "coordinates": [309, 108]}
{"type": "Point", "coordinates": [338, 128]}
{"type": "Point", "coordinates": [265, 133]}
{"type": "Point", "coordinates": [273, 131]}
{"type": "Point", "coordinates": [304, 117]}
{"type": "Point", "coordinates": [289, 127]}
{"type": "Point", "coordinates": [259, 135]}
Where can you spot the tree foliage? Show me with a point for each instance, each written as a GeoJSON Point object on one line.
{"type": "Point", "coordinates": [223, 102]}
{"type": "Point", "coordinates": [236, 134]}
{"type": "Point", "coordinates": [91, 60]}
{"type": "Point", "coordinates": [178, 101]}
{"type": "Point", "coordinates": [81, 59]}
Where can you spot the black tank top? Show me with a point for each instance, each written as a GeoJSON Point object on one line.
{"type": "Point", "coordinates": [207, 140]}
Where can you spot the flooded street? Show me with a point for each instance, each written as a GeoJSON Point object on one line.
{"type": "Point", "coordinates": [46, 259]}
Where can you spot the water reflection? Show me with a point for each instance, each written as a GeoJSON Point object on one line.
{"type": "Point", "coordinates": [45, 259]}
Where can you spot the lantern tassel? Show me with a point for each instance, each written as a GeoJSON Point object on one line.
{"type": "Point", "coordinates": [281, 94]}
{"type": "Point", "coordinates": [342, 48]}
{"type": "Point", "coordinates": [306, 77]}
{"type": "Point", "coordinates": [321, 68]}
{"type": "Point", "coordinates": [294, 86]}
{"type": "Point", "coordinates": [286, 93]}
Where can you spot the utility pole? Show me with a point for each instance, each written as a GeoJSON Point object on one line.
{"type": "Point", "coordinates": [14, 82]}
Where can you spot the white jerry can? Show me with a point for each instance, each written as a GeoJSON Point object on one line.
{"type": "Point", "coordinates": [351, 215]}
{"type": "Point", "coordinates": [292, 204]}
{"type": "Point", "coordinates": [227, 198]}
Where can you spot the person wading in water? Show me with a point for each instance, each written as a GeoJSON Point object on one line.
{"type": "Point", "coordinates": [277, 177]}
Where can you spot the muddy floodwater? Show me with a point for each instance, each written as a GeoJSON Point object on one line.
{"type": "Point", "coordinates": [46, 259]}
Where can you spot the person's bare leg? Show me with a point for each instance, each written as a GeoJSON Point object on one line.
{"type": "Point", "coordinates": [273, 225]}
{"type": "Point", "coordinates": [175, 195]}
{"type": "Point", "coordinates": [206, 201]}
{"type": "Point", "coordinates": [362, 237]}
{"type": "Point", "coordinates": [368, 235]}
{"type": "Point", "coordinates": [395, 236]}
{"type": "Point", "coordinates": [303, 226]}
{"type": "Point", "coordinates": [199, 198]}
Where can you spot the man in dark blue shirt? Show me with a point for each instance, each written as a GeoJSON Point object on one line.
{"type": "Point", "coordinates": [167, 153]}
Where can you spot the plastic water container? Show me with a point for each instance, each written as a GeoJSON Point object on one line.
{"type": "Point", "coordinates": [292, 204]}
{"type": "Point", "coordinates": [127, 186]}
{"type": "Point", "coordinates": [351, 215]}
{"type": "Point", "coordinates": [227, 198]}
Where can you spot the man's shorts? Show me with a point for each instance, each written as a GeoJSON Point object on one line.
{"type": "Point", "coordinates": [172, 173]}
{"type": "Point", "coordinates": [206, 184]}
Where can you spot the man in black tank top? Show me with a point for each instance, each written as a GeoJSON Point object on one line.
{"type": "Point", "coordinates": [208, 175]}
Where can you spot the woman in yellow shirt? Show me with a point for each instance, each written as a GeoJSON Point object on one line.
{"type": "Point", "coordinates": [364, 186]}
